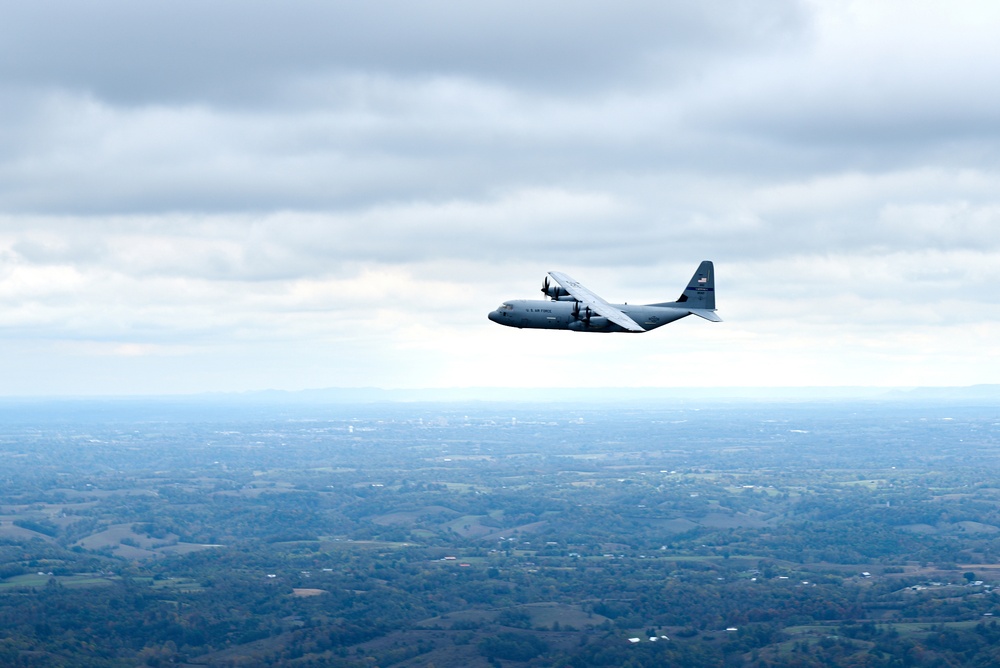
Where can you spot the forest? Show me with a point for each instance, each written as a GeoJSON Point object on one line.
{"type": "Point", "coordinates": [700, 533]}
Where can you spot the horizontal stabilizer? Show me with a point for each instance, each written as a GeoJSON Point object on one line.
{"type": "Point", "coordinates": [705, 313]}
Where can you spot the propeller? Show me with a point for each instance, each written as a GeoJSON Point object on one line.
{"type": "Point", "coordinates": [545, 285]}
{"type": "Point", "coordinates": [586, 316]}
{"type": "Point", "coordinates": [576, 310]}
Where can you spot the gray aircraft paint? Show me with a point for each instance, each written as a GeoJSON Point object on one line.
{"type": "Point", "coordinates": [698, 299]}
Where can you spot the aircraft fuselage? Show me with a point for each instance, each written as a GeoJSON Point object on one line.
{"type": "Point", "coordinates": [544, 314]}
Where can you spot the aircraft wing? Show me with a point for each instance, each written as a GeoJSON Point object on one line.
{"type": "Point", "coordinates": [596, 304]}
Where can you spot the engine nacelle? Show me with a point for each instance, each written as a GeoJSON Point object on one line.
{"type": "Point", "coordinates": [557, 293]}
{"type": "Point", "coordinates": [596, 322]}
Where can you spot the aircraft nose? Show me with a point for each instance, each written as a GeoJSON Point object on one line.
{"type": "Point", "coordinates": [494, 316]}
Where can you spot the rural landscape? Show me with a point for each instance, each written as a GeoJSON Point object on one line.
{"type": "Point", "coordinates": [237, 532]}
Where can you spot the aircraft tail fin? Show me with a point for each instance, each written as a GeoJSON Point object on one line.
{"type": "Point", "coordinates": [699, 295]}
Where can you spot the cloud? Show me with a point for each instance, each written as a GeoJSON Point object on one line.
{"type": "Point", "coordinates": [335, 193]}
{"type": "Point", "coordinates": [879, 86]}
{"type": "Point", "coordinates": [237, 52]}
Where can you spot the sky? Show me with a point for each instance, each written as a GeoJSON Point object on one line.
{"type": "Point", "coordinates": [242, 195]}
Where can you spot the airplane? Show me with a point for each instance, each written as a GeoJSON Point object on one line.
{"type": "Point", "coordinates": [572, 306]}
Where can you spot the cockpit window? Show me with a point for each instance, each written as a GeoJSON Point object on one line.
{"type": "Point", "coordinates": [505, 307]}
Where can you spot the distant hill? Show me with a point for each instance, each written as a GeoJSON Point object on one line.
{"type": "Point", "coordinates": [581, 395]}
{"type": "Point", "coordinates": [951, 393]}
{"type": "Point", "coordinates": [622, 394]}
{"type": "Point", "coordinates": [564, 394]}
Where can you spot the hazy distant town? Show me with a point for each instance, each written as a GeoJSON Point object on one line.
{"type": "Point", "coordinates": [235, 531]}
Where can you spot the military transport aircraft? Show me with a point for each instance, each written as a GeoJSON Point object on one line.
{"type": "Point", "coordinates": [576, 308]}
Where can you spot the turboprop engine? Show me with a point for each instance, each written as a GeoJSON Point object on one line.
{"type": "Point", "coordinates": [556, 292]}
{"type": "Point", "coordinates": [595, 322]}
{"type": "Point", "coordinates": [585, 319]}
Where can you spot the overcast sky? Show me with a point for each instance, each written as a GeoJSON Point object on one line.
{"type": "Point", "coordinates": [240, 195]}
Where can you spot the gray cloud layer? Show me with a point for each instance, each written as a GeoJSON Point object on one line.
{"type": "Point", "coordinates": [246, 52]}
